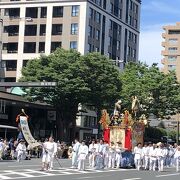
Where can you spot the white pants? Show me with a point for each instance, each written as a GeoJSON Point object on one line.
{"type": "Point", "coordinates": [20, 155]}
{"type": "Point", "coordinates": [146, 162]}
{"type": "Point", "coordinates": [161, 163]}
{"type": "Point", "coordinates": [92, 160]}
{"type": "Point", "coordinates": [112, 157]}
{"type": "Point", "coordinates": [118, 159]}
{"type": "Point", "coordinates": [81, 162]}
{"type": "Point", "coordinates": [74, 159]}
{"type": "Point", "coordinates": [137, 163]}
{"type": "Point", "coordinates": [152, 164]}
{"type": "Point", "coordinates": [177, 162]}
{"type": "Point", "coordinates": [106, 161]}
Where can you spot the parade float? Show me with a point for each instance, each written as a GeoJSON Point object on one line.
{"type": "Point", "coordinates": [123, 126]}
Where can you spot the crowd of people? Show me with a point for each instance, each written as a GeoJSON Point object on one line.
{"type": "Point", "coordinates": [99, 154]}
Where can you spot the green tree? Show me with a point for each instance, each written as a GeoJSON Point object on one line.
{"type": "Point", "coordinates": [81, 79]}
{"type": "Point", "coordinates": [157, 92]}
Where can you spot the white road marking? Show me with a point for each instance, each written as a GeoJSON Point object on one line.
{"type": "Point", "coordinates": [132, 179]}
{"type": "Point", "coordinates": [92, 177]}
{"type": "Point", "coordinates": [25, 166]}
{"type": "Point", "coordinates": [20, 173]}
{"type": "Point", "coordinates": [40, 172]}
{"type": "Point", "coordinates": [166, 175]}
{"type": "Point", "coordinates": [4, 177]}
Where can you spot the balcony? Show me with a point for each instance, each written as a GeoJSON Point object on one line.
{"type": "Point", "coordinates": [164, 35]}
{"type": "Point", "coordinates": [163, 61]}
{"type": "Point", "coordinates": [164, 44]}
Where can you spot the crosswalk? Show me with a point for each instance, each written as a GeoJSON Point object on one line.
{"type": "Point", "coordinates": [35, 173]}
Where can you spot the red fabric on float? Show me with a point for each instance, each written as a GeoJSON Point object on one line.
{"type": "Point", "coordinates": [106, 135]}
{"type": "Point", "coordinates": [128, 138]}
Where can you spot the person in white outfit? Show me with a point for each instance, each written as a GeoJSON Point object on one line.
{"type": "Point", "coordinates": [48, 152]}
{"type": "Point", "coordinates": [21, 150]}
{"type": "Point", "coordinates": [145, 154]}
{"type": "Point", "coordinates": [82, 154]}
{"type": "Point", "coordinates": [99, 163]}
{"type": "Point", "coordinates": [53, 155]}
{"type": "Point", "coordinates": [177, 158]}
{"type": "Point", "coordinates": [138, 156]}
{"type": "Point", "coordinates": [75, 153]}
{"type": "Point", "coordinates": [106, 155]}
{"type": "Point", "coordinates": [119, 150]}
{"type": "Point", "coordinates": [161, 154]}
{"type": "Point", "coordinates": [92, 154]}
{"type": "Point", "coordinates": [153, 157]}
{"type": "Point", "coordinates": [112, 155]}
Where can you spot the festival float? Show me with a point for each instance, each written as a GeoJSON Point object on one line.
{"type": "Point", "coordinates": [125, 127]}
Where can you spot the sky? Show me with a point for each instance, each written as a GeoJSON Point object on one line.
{"type": "Point", "coordinates": [154, 15]}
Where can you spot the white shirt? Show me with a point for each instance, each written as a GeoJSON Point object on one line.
{"type": "Point", "coordinates": [83, 149]}
{"type": "Point", "coordinates": [137, 153]}
{"type": "Point", "coordinates": [49, 146]}
{"type": "Point", "coordinates": [177, 154]}
{"type": "Point", "coordinates": [76, 147]}
{"type": "Point", "coordinates": [92, 148]}
{"type": "Point", "coordinates": [21, 147]}
{"type": "Point", "coordinates": [153, 152]}
{"type": "Point", "coordinates": [145, 151]}
{"type": "Point", "coordinates": [161, 152]}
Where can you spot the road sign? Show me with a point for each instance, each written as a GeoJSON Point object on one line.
{"type": "Point", "coordinates": [28, 84]}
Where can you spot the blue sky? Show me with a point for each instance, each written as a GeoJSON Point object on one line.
{"type": "Point", "coordinates": [155, 14]}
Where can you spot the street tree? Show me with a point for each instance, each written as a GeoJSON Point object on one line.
{"type": "Point", "coordinates": [90, 79]}
{"type": "Point", "coordinates": [157, 92]}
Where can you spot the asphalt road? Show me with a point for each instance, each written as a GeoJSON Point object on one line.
{"type": "Point", "coordinates": [31, 170]}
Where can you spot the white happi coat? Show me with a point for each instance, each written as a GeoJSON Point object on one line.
{"type": "Point", "coordinates": [83, 152]}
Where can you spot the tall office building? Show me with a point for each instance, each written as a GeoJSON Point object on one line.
{"type": "Point", "coordinates": [171, 52]}
{"type": "Point", "coordinates": [34, 27]}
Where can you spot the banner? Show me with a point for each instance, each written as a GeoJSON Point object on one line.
{"type": "Point", "coordinates": [117, 134]}
{"type": "Point", "coordinates": [128, 135]}
{"type": "Point", "coordinates": [26, 132]}
{"type": "Point", "coordinates": [138, 133]}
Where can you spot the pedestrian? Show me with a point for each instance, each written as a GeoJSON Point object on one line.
{"type": "Point", "coordinates": [48, 152]}
{"type": "Point", "coordinates": [75, 154]}
{"type": "Point", "coordinates": [21, 150]}
{"type": "Point", "coordinates": [54, 154]}
{"type": "Point", "coordinates": [153, 157]}
{"type": "Point", "coordinates": [145, 156]}
{"type": "Point", "coordinates": [138, 155]}
{"type": "Point", "coordinates": [106, 154]}
{"type": "Point", "coordinates": [82, 154]}
{"type": "Point", "coordinates": [177, 158]}
{"type": "Point", "coordinates": [12, 148]}
{"type": "Point", "coordinates": [119, 149]}
{"type": "Point", "coordinates": [92, 154]}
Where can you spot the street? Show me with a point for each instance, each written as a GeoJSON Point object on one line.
{"type": "Point", "coordinates": [31, 170]}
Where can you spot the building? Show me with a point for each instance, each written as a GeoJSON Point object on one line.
{"type": "Point", "coordinates": [171, 52]}
{"type": "Point", "coordinates": [34, 27]}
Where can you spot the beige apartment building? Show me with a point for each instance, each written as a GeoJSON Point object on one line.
{"type": "Point", "coordinates": [171, 52]}
{"type": "Point", "coordinates": [35, 27]}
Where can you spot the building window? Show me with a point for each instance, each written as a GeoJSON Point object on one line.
{"type": "Point", "coordinates": [134, 53]}
{"type": "Point", "coordinates": [104, 4]}
{"type": "Point", "coordinates": [91, 13]}
{"type": "Point", "coordinates": [42, 30]}
{"type": "Point", "coordinates": [173, 40]}
{"type": "Point", "coordinates": [58, 11]}
{"type": "Point", "coordinates": [172, 50]}
{"type": "Point", "coordinates": [57, 29]}
{"type": "Point", "coordinates": [97, 34]}
{"type": "Point", "coordinates": [12, 12]}
{"type": "Point", "coordinates": [172, 58]}
{"type": "Point", "coordinates": [110, 41]}
{"type": "Point", "coordinates": [171, 67]}
{"type": "Point", "coordinates": [111, 25]}
{"type": "Point", "coordinates": [98, 17]}
{"type": "Point", "coordinates": [29, 47]}
{"type": "Point", "coordinates": [30, 30]}
{"type": "Point", "coordinates": [55, 45]}
{"type": "Point", "coordinates": [90, 31]}
{"type": "Point", "coordinates": [98, 2]}
{"type": "Point", "coordinates": [97, 49]}
{"type": "Point", "coordinates": [73, 44]}
{"type": "Point", "coordinates": [75, 11]}
{"type": "Point", "coordinates": [32, 12]}
{"type": "Point", "coordinates": [41, 47]}
{"type": "Point", "coordinates": [118, 45]}
{"type": "Point", "coordinates": [112, 8]}
{"type": "Point", "coordinates": [74, 29]}
{"type": "Point", "coordinates": [120, 13]}
{"type": "Point", "coordinates": [12, 30]}
{"type": "Point", "coordinates": [11, 65]}
{"type": "Point", "coordinates": [174, 32]}
{"type": "Point", "coordinates": [10, 47]}
{"type": "Point", "coordinates": [89, 47]}
{"type": "Point", "coordinates": [118, 29]}
{"type": "Point", "coordinates": [10, 79]}
{"type": "Point", "coordinates": [25, 63]}
{"type": "Point", "coordinates": [43, 12]}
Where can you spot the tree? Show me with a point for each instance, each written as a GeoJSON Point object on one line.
{"type": "Point", "coordinates": [81, 79]}
{"type": "Point", "coordinates": [157, 92]}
